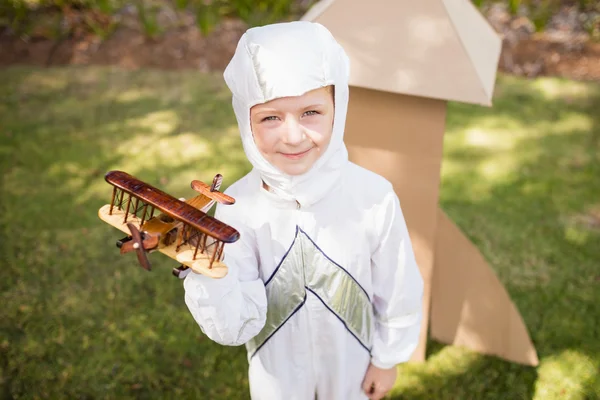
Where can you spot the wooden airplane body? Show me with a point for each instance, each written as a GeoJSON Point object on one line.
{"type": "Point", "coordinates": [182, 230]}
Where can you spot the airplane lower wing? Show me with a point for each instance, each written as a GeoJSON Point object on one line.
{"type": "Point", "coordinates": [185, 255]}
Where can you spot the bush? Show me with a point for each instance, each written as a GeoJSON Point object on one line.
{"type": "Point", "coordinates": [97, 16]}
{"type": "Point", "coordinates": [252, 12]}
{"type": "Point", "coordinates": [541, 11]}
{"type": "Point", "coordinates": [57, 18]}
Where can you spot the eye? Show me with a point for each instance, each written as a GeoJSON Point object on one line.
{"type": "Point", "coordinates": [311, 112]}
{"type": "Point", "coordinates": [269, 118]}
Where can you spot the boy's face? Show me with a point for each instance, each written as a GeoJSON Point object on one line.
{"type": "Point", "coordinates": [293, 132]}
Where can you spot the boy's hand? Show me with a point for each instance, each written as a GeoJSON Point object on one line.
{"type": "Point", "coordinates": [378, 382]}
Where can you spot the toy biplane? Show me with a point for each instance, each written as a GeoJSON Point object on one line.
{"type": "Point", "coordinates": [181, 229]}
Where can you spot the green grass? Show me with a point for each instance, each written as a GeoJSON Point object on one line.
{"type": "Point", "coordinates": [77, 320]}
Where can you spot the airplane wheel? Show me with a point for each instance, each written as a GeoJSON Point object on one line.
{"type": "Point", "coordinates": [181, 272]}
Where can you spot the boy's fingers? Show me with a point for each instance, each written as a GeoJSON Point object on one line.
{"type": "Point", "coordinates": [373, 391]}
{"type": "Point", "coordinates": [377, 392]}
{"type": "Point", "coordinates": [378, 395]}
{"type": "Point", "coordinates": [367, 386]}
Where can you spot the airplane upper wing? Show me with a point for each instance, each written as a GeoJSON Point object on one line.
{"type": "Point", "coordinates": [173, 207]}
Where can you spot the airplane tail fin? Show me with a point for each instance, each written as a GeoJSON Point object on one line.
{"type": "Point", "coordinates": [212, 191]}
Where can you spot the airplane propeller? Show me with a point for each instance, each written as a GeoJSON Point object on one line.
{"type": "Point", "coordinates": [140, 242]}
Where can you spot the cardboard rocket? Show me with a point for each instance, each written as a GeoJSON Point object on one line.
{"type": "Point", "coordinates": [408, 59]}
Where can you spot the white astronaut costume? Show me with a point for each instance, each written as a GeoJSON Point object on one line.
{"type": "Point", "coordinates": [323, 279]}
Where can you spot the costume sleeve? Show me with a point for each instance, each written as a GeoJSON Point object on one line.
{"type": "Point", "coordinates": [230, 310]}
{"type": "Point", "coordinates": [398, 289]}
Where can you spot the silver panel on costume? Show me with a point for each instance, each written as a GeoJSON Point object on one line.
{"type": "Point", "coordinates": [307, 267]}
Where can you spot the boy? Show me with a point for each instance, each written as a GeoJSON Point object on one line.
{"type": "Point", "coordinates": [323, 288]}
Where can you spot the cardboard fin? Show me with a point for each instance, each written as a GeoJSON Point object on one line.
{"type": "Point", "coordinates": [470, 307]}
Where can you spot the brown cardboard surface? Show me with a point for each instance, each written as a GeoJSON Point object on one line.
{"type": "Point", "coordinates": [479, 40]}
{"type": "Point", "coordinates": [443, 49]}
{"type": "Point", "coordinates": [470, 307]}
{"type": "Point", "coordinates": [400, 138]}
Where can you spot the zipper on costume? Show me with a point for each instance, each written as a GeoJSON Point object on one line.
{"type": "Point", "coordinates": [299, 225]}
{"type": "Point", "coordinates": [298, 214]}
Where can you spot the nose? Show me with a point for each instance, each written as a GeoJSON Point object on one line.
{"type": "Point", "coordinates": [294, 132]}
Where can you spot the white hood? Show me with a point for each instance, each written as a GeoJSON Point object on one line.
{"type": "Point", "coordinates": [290, 59]}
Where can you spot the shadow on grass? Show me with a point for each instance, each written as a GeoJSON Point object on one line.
{"type": "Point", "coordinates": [81, 321]}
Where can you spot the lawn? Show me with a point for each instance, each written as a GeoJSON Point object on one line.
{"type": "Point", "coordinates": [78, 320]}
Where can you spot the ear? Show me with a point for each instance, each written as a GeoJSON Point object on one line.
{"type": "Point", "coordinates": [331, 90]}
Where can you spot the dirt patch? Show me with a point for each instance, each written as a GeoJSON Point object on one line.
{"type": "Point", "coordinates": [177, 48]}
{"type": "Point", "coordinates": [565, 48]}
{"type": "Point", "coordinates": [542, 56]}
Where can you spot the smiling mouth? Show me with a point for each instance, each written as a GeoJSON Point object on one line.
{"type": "Point", "coordinates": [295, 156]}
